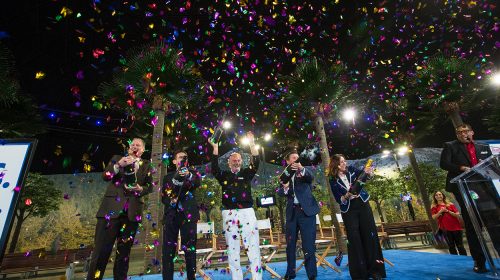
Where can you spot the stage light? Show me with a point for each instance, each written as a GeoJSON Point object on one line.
{"type": "Point", "coordinates": [52, 115]}
{"type": "Point", "coordinates": [244, 141]}
{"type": "Point", "coordinates": [495, 79]}
{"type": "Point", "coordinates": [349, 114]}
{"type": "Point", "coordinates": [402, 150]}
{"type": "Point", "coordinates": [267, 137]}
{"type": "Point", "coordinates": [226, 124]}
{"type": "Point", "coordinates": [385, 153]}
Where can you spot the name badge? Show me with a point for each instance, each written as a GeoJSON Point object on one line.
{"type": "Point", "coordinates": [241, 178]}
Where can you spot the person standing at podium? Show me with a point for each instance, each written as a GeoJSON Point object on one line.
{"type": "Point", "coordinates": [459, 156]}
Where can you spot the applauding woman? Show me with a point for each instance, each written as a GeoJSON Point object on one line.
{"type": "Point", "coordinates": [447, 216]}
{"type": "Point", "coordinates": [363, 248]}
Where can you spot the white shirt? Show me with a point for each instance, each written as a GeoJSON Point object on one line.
{"type": "Point", "coordinates": [292, 180]}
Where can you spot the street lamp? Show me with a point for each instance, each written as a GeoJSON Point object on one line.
{"type": "Point", "coordinates": [226, 124]}
{"type": "Point", "coordinates": [349, 114]}
{"type": "Point", "coordinates": [495, 79]}
{"type": "Point", "coordinates": [401, 151]}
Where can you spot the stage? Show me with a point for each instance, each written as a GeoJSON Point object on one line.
{"type": "Point", "coordinates": [407, 265]}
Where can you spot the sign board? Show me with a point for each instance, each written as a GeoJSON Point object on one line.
{"type": "Point", "coordinates": [15, 158]}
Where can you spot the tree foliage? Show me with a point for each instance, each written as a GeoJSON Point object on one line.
{"type": "Point", "coordinates": [208, 196]}
{"type": "Point", "coordinates": [434, 178]}
{"type": "Point", "coordinates": [38, 198]}
{"type": "Point", "coordinates": [43, 196]}
{"type": "Point", "coordinates": [382, 189]}
{"type": "Point", "coordinates": [314, 89]}
{"type": "Point", "coordinates": [18, 115]}
{"type": "Point", "coordinates": [152, 74]}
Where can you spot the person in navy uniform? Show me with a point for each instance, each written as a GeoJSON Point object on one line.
{"type": "Point", "coordinates": [459, 156]}
{"type": "Point", "coordinates": [301, 211]}
{"type": "Point", "coordinates": [363, 248]}
{"type": "Point", "coordinates": [181, 213]}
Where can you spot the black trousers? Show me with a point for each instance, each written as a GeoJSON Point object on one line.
{"type": "Point", "coordinates": [173, 223]}
{"type": "Point", "coordinates": [106, 233]}
{"type": "Point", "coordinates": [455, 242]}
{"type": "Point", "coordinates": [474, 245]}
{"type": "Point", "coordinates": [363, 247]}
{"type": "Point", "coordinates": [307, 227]}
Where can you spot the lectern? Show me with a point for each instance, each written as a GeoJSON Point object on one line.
{"type": "Point", "coordinates": [479, 188]}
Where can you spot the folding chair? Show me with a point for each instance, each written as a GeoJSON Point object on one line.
{"type": "Point", "coordinates": [203, 255]}
{"type": "Point", "coordinates": [270, 246]}
{"type": "Point", "coordinates": [327, 218]}
{"type": "Point", "coordinates": [329, 242]}
{"type": "Point", "coordinates": [382, 236]}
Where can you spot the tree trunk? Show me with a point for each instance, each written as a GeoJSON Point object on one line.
{"type": "Point", "coordinates": [452, 109]}
{"type": "Point", "coordinates": [325, 160]}
{"type": "Point", "coordinates": [379, 210]}
{"type": "Point", "coordinates": [209, 209]}
{"type": "Point", "coordinates": [153, 227]}
{"type": "Point", "coordinates": [422, 189]}
{"type": "Point", "coordinates": [17, 231]}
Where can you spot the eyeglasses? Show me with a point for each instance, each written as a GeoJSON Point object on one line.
{"type": "Point", "coordinates": [462, 131]}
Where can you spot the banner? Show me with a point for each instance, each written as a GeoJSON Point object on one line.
{"type": "Point", "coordinates": [15, 158]}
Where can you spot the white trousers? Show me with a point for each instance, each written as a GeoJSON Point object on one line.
{"type": "Point", "coordinates": [237, 224]}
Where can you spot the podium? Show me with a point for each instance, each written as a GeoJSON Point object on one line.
{"type": "Point", "coordinates": [480, 188]}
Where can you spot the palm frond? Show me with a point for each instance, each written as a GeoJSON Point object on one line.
{"type": "Point", "coordinates": [314, 83]}
{"type": "Point", "coordinates": [152, 70]}
{"type": "Point", "coordinates": [446, 79]}
{"type": "Point", "coordinates": [10, 85]}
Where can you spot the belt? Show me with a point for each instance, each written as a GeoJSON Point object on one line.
{"type": "Point", "coordinates": [297, 205]}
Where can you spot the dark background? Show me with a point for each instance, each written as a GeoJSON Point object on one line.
{"type": "Point", "coordinates": [78, 132]}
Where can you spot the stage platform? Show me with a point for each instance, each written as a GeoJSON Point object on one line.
{"type": "Point", "coordinates": [409, 265]}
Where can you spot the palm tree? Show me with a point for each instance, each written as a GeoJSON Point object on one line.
{"type": "Point", "coordinates": [18, 115]}
{"type": "Point", "coordinates": [155, 81]}
{"type": "Point", "coordinates": [314, 89]}
{"type": "Point", "coordinates": [447, 82]}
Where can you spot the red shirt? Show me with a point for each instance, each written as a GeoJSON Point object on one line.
{"type": "Point", "coordinates": [471, 149]}
{"type": "Point", "coordinates": [446, 221]}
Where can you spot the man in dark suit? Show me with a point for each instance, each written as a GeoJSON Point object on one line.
{"type": "Point", "coordinates": [459, 156]}
{"type": "Point", "coordinates": [301, 211]}
{"type": "Point", "coordinates": [120, 212]}
{"type": "Point", "coordinates": [181, 214]}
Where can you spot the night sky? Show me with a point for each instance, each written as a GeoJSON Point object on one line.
{"type": "Point", "coordinates": [65, 49]}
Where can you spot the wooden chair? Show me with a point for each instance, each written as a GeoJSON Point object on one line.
{"type": "Point", "coordinates": [203, 255]}
{"type": "Point", "coordinates": [269, 246]}
{"type": "Point", "coordinates": [382, 235]}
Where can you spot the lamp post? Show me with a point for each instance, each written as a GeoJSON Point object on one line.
{"type": "Point", "coordinates": [349, 115]}
{"type": "Point", "coordinates": [402, 151]}
{"type": "Point", "coordinates": [267, 137]}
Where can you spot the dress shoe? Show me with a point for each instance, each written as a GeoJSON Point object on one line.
{"type": "Point", "coordinates": [480, 269]}
{"type": "Point", "coordinates": [312, 278]}
{"type": "Point", "coordinates": [287, 277]}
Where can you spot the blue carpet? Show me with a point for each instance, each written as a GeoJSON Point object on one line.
{"type": "Point", "coordinates": [407, 265]}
